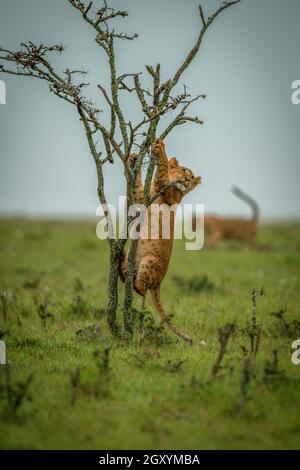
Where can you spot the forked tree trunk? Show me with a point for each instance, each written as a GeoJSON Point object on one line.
{"type": "Point", "coordinates": [114, 260]}
{"type": "Point", "coordinates": [116, 252]}
{"type": "Point", "coordinates": [128, 299]}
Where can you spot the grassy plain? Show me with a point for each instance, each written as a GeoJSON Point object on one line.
{"type": "Point", "coordinates": [69, 386]}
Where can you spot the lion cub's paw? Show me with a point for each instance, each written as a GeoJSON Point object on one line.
{"type": "Point", "coordinates": [159, 148]}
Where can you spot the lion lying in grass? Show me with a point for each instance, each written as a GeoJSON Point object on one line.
{"type": "Point", "coordinates": [153, 255]}
{"type": "Point", "coordinates": [219, 228]}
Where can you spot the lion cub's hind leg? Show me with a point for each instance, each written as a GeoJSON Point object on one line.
{"type": "Point", "coordinates": [147, 275]}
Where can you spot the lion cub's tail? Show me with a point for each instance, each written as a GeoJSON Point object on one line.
{"type": "Point", "coordinates": [248, 200]}
{"type": "Point", "coordinates": [156, 300]}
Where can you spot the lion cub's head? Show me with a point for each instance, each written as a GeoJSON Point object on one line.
{"type": "Point", "coordinates": [185, 177]}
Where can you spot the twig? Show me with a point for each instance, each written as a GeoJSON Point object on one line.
{"type": "Point", "coordinates": [255, 332]}
{"type": "Point", "coordinates": [224, 335]}
{"type": "Point", "coordinates": [245, 381]}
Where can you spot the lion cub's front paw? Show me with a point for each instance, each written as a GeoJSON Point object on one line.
{"type": "Point", "coordinates": [159, 148]}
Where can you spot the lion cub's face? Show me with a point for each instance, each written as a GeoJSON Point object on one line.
{"type": "Point", "coordinates": [186, 178]}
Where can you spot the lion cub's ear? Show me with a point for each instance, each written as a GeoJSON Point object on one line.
{"type": "Point", "coordinates": [173, 163]}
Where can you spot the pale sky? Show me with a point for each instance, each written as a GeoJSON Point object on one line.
{"type": "Point", "coordinates": [250, 135]}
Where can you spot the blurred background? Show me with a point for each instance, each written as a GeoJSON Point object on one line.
{"type": "Point", "coordinates": [250, 135]}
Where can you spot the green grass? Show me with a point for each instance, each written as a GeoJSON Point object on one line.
{"type": "Point", "coordinates": [158, 392]}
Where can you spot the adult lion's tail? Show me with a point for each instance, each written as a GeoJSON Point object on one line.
{"type": "Point", "coordinates": [156, 300]}
{"type": "Point", "coordinates": [240, 194]}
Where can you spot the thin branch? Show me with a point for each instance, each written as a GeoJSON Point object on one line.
{"type": "Point", "coordinates": [202, 15]}
{"type": "Point", "coordinates": [191, 55]}
{"type": "Point", "coordinates": [105, 94]}
{"type": "Point", "coordinates": [99, 165]}
{"type": "Point", "coordinates": [181, 118]}
{"type": "Point", "coordinates": [114, 93]}
{"type": "Point", "coordinates": [140, 94]}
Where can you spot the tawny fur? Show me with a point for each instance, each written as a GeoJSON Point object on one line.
{"type": "Point", "coordinates": [153, 255]}
{"type": "Point", "coordinates": [219, 228]}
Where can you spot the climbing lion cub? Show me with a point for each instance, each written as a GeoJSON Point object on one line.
{"type": "Point", "coordinates": [153, 255]}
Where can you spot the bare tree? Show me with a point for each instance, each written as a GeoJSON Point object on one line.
{"type": "Point", "coordinates": [122, 137]}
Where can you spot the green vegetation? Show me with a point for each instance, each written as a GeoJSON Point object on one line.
{"type": "Point", "coordinates": [69, 385]}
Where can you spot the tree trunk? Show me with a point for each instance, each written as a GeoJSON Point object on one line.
{"type": "Point", "coordinates": [128, 320]}
{"type": "Point", "coordinates": [115, 253]}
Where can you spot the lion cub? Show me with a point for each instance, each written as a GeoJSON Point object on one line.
{"type": "Point", "coordinates": [153, 255]}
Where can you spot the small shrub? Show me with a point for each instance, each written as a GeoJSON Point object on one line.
{"type": "Point", "coordinates": [90, 332]}
{"type": "Point", "coordinates": [44, 314]}
{"type": "Point", "coordinates": [13, 392]}
{"type": "Point", "coordinates": [194, 284]}
{"type": "Point", "coordinates": [79, 306]}
{"type": "Point", "coordinates": [149, 332]}
{"type": "Point", "coordinates": [32, 283]}
{"type": "Point", "coordinates": [224, 334]}
{"type": "Point", "coordinates": [286, 328]}
{"type": "Point", "coordinates": [78, 285]}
